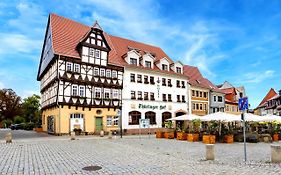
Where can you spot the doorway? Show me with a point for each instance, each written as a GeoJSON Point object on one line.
{"type": "Point", "coordinates": [99, 126]}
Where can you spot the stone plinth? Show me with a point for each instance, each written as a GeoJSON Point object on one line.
{"type": "Point", "coordinates": [276, 153]}
{"type": "Point", "coordinates": [210, 152]}
{"type": "Point", "coordinates": [72, 135]}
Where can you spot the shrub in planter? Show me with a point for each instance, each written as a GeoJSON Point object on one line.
{"type": "Point", "coordinates": [77, 131]}
{"type": "Point", "coordinates": [7, 123]}
{"type": "Point", "coordinates": [19, 119]}
{"type": "Point", "coordinates": [29, 126]}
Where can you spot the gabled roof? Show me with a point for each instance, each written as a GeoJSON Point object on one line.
{"type": "Point", "coordinates": [229, 90]}
{"type": "Point", "coordinates": [271, 93]}
{"type": "Point", "coordinates": [67, 34]}
{"type": "Point", "coordinates": [197, 80]}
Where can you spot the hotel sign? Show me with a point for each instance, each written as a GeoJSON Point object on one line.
{"type": "Point", "coordinates": [152, 107]}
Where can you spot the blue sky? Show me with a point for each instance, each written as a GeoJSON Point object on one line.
{"type": "Point", "coordinates": [237, 41]}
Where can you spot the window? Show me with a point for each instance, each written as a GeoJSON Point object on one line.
{"type": "Point", "coordinates": [96, 71]}
{"type": "Point", "coordinates": [178, 98]}
{"type": "Point", "coordinates": [183, 99]}
{"type": "Point", "coordinates": [97, 53]}
{"type": "Point", "coordinates": [201, 107]}
{"type": "Point", "coordinates": [139, 95]}
{"type": "Point", "coordinates": [115, 93]}
{"type": "Point", "coordinates": [134, 117]}
{"type": "Point", "coordinates": [214, 110]}
{"type": "Point", "coordinates": [205, 107]}
{"type": "Point", "coordinates": [165, 116]}
{"type": "Point", "coordinates": [151, 116]}
{"type": "Point", "coordinates": [74, 90]}
{"type": "Point", "coordinates": [197, 93]}
{"type": "Point", "coordinates": [241, 94]}
{"type": "Point", "coordinates": [178, 83]}
{"type": "Point", "coordinates": [164, 67]}
{"type": "Point", "coordinates": [115, 120]}
{"type": "Point", "coordinates": [164, 97]}
{"type": "Point", "coordinates": [98, 93]}
{"type": "Point", "coordinates": [170, 97]}
{"type": "Point", "coordinates": [193, 106]}
{"type": "Point", "coordinates": [133, 61]}
{"type": "Point", "coordinates": [148, 64]}
{"type": "Point", "coordinates": [114, 74]}
{"type": "Point", "coordinates": [145, 95]}
{"type": "Point", "coordinates": [178, 70]}
{"type": "Point", "coordinates": [197, 106]}
{"type": "Point", "coordinates": [102, 72]}
{"type": "Point", "coordinates": [152, 96]}
{"type": "Point", "coordinates": [193, 93]}
{"type": "Point", "coordinates": [219, 98]}
{"type": "Point", "coordinates": [139, 78]}
{"type": "Point", "coordinates": [133, 95]}
{"type": "Point", "coordinates": [182, 84]}
{"type": "Point", "coordinates": [81, 91]}
{"type": "Point", "coordinates": [76, 116]}
{"type": "Point", "coordinates": [215, 98]}
{"type": "Point", "coordinates": [109, 121]}
{"type": "Point", "coordinates": [201, 94]}
{"type": "Point", "coordinates": [68, 66]}
{"type": "Point", "coordinates": [108, 73]}
{"type": "Point", "coordinates": [133, 78]}
{"type": "Point", "coordinates": [205, 94]}
{"type": "Point", "coordinates": [91, 53]}
{"type": "Point", "coordinates": [152, 80]}
{"type": "Point", "coordinates": [76, 68]}
{"type": "Point", "coordinates": [163, 81]}
{"type": "Point", "coordinates": [106, 93]}
{"type": "Point", "coordinates": [145, 79]}
{"type": "Point", "coordinates": [169, 82]}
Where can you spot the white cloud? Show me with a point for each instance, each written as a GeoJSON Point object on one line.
{"type": "Point", "coordinates": [28, 93]}
{"type": "Point", "coordinates": [257, 77]}
{"type": "Point", "coordinates": [1, 85]}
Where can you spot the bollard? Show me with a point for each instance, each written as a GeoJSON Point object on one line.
{"type": "Point", "coordinates": [210, 152]}
{"type": "Point", "coordinates": [110, 135]}
{"type": "Point", "coordinates": [101, 133]}
{"type": "Point", "coordinates": [8, 137]}
{"type": "Point", "coordinates": [72, 135]}
{"type": "Point", "coordinates": [275, 153]}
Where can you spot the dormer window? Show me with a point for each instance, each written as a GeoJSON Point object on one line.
{"type": "Point", "coordinates": [133, 61]}
{"type": "Point", "coordinates": [76, 68]}
{"type": "Point", "coordinates": [68, 66]}
{"type": "Point", "coordinates": [178, 70]}
{"type": "Point", "coordinates": [164, 67]}
{"type": "Point", "coordinates": [148, 64]}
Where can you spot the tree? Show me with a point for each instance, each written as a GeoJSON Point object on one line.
{"type": "Point", "coordinates": [31, 108]}
{"type": "Point", "coordinates": [10, 104]}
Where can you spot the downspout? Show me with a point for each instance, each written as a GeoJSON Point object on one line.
{"type": "Point", "coordinates": [58, 76]}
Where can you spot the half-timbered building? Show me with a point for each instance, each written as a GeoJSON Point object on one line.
{"type": "Point", "coordinates": [80, 88]}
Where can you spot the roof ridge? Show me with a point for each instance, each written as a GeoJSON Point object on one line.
{"type": "Point", "coordinates": [51, 14]}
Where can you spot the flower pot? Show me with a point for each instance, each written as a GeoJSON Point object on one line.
{"type": "Point", "coordinates": [181, 136]}
{"type": "Point", "coordinates": [159, 134]}
{"type": "Point", "coordinates": [190, 137]}
{"type": "Point", "coordinates": [209, 139]}
{"type": "Point", "coordinates": [195, 137]}
{"type": "Point", "coordinates": [212, 139]}
{"type": "Point", "coordinates": [228, 139]}
{"type": "Point", "coordinates": [169, 135]}
{"type": "Point", "coordinates": [39, 129]}
{"type": "Point", "coordinates": [275, 137]}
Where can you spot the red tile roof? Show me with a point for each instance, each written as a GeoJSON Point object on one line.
{"type": "Point", "coordinates": [66, 35]}
{"type": "Point", "coordinates": [230, 95]}
{"type": "Point", "coordinates": [196, 78]}
{"type": "Point", "coordinates": [271, 93]}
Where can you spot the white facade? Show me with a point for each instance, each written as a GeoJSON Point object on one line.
{"type": "Point", "coordinates": [146, 88]}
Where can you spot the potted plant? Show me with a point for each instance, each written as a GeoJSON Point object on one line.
{"type": "Point", "coordinates": [210, 137]}
{"type": "Point", "coordinates": [276, 131]}
{"type": "Point", "coordinates": [169, 133]}
{"type": "Point", "coordinates": [181, 135]}
{"type": "Point", "coordinates": [228, 137]}
{"type": "Point", "coordinates": [159, 133]}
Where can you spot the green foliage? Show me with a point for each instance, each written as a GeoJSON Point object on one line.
{"type": "Point", "coordinates": [196, 125]}
{"type": "Point", "coordinates": [29, 126]}
{"type": "Point", "coordinates": [7, 123]}
{"type": "Point", "coordinates": [10, 105]}
{"type": "Point", "coordinates": [168, 124]}
{"type": "Point", "coordinates": [19, 119]}
{"type": "Point", "coordinates": [31, 107]}
{"type": "Point", "coordinates": [213, 127]}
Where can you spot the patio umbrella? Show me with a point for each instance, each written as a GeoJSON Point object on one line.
{"type": "Point", "coordinates": [271, 118]}
{"type": "Point", "coordinates": [249, 117]}
{"type": "Point", "coordinates": [185, 117]}
{"type": "Point", "coordinates": [221, 116]}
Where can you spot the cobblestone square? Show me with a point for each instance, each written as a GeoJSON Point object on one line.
{"type": "Point", "coordinates": [130, 155]}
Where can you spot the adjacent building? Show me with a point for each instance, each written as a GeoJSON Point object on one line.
{"type": "Point", "coordinates": [204, 96]}
{"type": "Point", "coordinates": [261, 108]}
{"type": "Point", "coordinates": [80, 87]}
{"type": "Point", "coordinates": [273, 105]}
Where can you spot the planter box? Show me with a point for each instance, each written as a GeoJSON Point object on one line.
{"type": "Point", "coordinates": [169, 135]}
{"type": "Point", "coordinates": [159, 134]}
{"type": "Point", "coordinates": [275, 137]}
{"type": "Point", "coordinates": [181, 136]}
{"type": "Point", "coordinates": [209, 139]}
{"type": "Point", "coordinates": [39, 129]}
{"type": "Point", "coordinates": [228, 139]}
{"type": "Point", "coordinates": [193, 137]}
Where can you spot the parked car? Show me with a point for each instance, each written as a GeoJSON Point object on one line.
{"type": "Point", "coordinates": [16, 126]}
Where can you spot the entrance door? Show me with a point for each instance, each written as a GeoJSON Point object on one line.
{"type": "Point", "coordinates": [98, 124]}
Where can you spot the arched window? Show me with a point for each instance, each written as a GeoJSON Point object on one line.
{"type": "Point", "coordinates": [134, 117]}
{"type": "Point", "coordinates": [165, 116]}
{"type": "Point", "coordinates": [151, 116]}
